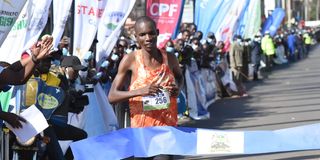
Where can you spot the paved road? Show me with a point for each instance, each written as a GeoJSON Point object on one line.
{"type": "Point", "coordinates": [287, 97]}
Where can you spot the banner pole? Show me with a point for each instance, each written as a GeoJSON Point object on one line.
{"type": "Point", "coordinates": [72, 27]}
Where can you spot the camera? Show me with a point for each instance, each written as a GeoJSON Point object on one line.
{"type": "Point", "coordinates": [88, 88]}
{"type": "Point", "coordinates": [77, 100]}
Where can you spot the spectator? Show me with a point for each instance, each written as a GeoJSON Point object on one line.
{"type": "Point", "coordinates": [268, 49]}
{"type": "Point", "coordinates": [19, 72]}
{"type": "Point", "coordinates": [236, 63]}
{"type": "Point", "coordinates": [307, 41]}
{"type": "Point", "coordinates": [256, 53]}
{"type": "Point", "coordinates": [291, 41]}
{"type": "Point", "coordinates": [186, 36]}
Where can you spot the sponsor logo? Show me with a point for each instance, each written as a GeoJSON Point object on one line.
{"type": "Point", "coordinates": [113, 19]}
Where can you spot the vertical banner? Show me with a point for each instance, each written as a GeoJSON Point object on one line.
{"type": "Point", "coordinates": [253, 19]}
{"type": "Point", "coordinates": [274, 21]}
{"type": "Point", "coordinates": [86, 20]}
{"type": "Point", "coordinates": [9, 12]}
{"type": "Point", "coordinates": [220, 17]}
{"type": "Point", "coordinates": [167, 15]}
{"type": "Point", "coordinates": [205, 13]}
{"type": "Point", "coordinates": [114, 17]}
{"type": "Point", "coordinates": [60, 14]}
{"type": "Point", "coordinates": [227, 27]}
{"type": "Point", "coordinates": [26, 30]}
{"type": "Point", "coordinates": [244, 18]}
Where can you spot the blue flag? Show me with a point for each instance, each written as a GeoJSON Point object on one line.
{"type": "Point", "coordinates": [274, 21]}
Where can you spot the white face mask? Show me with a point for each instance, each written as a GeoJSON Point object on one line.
{"type": "Point", "coordinates": [105, 64]}
{"type": "Point", "coordinates": [194, 46]}
{"type": "Point", "coordinates": [170, 49]}
{"type": "Point", "coordinates": [83, 74]}
{"type": "Point", "coordinates": [88, 56]}
{"type": "Point", "coordinates": [128, 50]}
{"type": "Point", "coordinates": [65, 52]}
{"type": "Point", "coordinates": [114, 57]}
{"type": "Point", "coordinates": [176, 54]}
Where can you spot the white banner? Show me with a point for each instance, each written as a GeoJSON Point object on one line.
{"type": "Point", "coordinates": [60, 14]}
{"type": "Point", "coordinates": [86, 20]}
{"type": "Point", "coordinates": [9, 12]}
{"type": "Point", "coordinates": [26, 30]}
{"type": "Point", "coordinates": [114, 17]}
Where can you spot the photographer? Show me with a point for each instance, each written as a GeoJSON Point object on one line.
{"type": "Point", "coordinates": [74, 102]}
{"type": "Point", "coordinates": [57, 117]}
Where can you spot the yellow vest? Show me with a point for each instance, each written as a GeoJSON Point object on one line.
{"type": "Point", "coordinates": [307, 39]}
{"type": "Point", "coordinates": [267, 46]}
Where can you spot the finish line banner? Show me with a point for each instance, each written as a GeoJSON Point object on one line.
{"type": "Point", "coordinates": [147, 142]}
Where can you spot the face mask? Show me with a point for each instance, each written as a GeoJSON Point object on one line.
{"type": "Point", "coordinates": [203, 41]}
{"type": "Point", "coordinates": [114, 57]}
{"type": "Point", "coordinates": [83, 74]}
{"type": "Point", "coordinates": [186, 43]}
{"type": "Point", "coordinates": [56, 62]}
{"type": "Point", "coordinates": [88, 56]}
{"type": "Point", "coordinates": [65, 52]}
{"type": "Point", "coordinates": [105, 64]}
{"type": "Point", "coordinates": [170, 49]}
{"type": "Point", "coordinates": [239, 40]}
{"type": "Point", "coordinates": [176, 54]}
{"type": "Point", "coordinates": [128, 50]}
{"type": "Point", "coordinates": [194, 46]}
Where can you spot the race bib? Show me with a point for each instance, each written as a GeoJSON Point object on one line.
{"type": "Point", "coordinates": [157, 102]}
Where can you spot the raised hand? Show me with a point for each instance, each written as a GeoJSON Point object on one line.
{"type": "Point", "coordinates": [41, 49]}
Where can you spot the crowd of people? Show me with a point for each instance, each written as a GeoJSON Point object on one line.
{"type": "Point", "coordinates": [142, 77]}
{"type": "Point", "coordinates": [245, 60]}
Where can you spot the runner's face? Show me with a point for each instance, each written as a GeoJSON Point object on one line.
{"type": "Point", "coordinates": [146, 34]}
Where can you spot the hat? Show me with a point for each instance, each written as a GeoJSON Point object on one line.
{"type": "Point", "coordinates": [74, 62]}
{"type": "Point", "coordinates": [211, 35]}
{"type": "Point", "coordinates": [65, 40]}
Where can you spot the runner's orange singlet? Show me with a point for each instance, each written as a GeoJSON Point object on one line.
{"type": "Point", "coordinates": [144, 75]}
